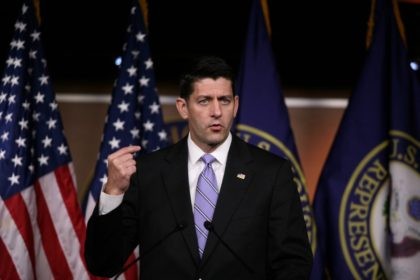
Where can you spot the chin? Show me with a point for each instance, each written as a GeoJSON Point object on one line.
{"type": "Point", "coordinates": [216, 141]}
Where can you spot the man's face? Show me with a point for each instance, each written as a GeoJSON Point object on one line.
{"type": "Point", "coordinates": [210, 111]}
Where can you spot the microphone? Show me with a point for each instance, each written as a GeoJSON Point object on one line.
{"type": "Point", "coordinates": [178, 227]}
{"type": "Point", "coordinates": [209, 226]}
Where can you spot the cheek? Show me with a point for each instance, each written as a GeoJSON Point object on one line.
{"type": "Point", "coordinates": [197, 115]}
{"type": "Point", "coordinates": [196, 122]}
{"type": "Point", "coordinates": [230, 113]}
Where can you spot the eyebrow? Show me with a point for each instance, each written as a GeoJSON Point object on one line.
{"type": "Point", "coordinates": [218, 97]}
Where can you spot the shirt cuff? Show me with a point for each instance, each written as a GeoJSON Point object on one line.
{"type": "Point", "coordinates": [108, 202]}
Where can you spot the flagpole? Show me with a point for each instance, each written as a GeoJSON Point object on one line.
{"type": "Point", "coordinates": [37, 7]}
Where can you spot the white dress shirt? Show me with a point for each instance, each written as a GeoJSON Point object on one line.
{"type": "Point", "coordinates": [108, 202]}
{"type": "Point", "coordinates": [196, 165]}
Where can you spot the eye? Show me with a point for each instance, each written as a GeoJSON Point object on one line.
{"type": "Point", "coordinates": [203, 101]}
{"type": "Point", "coordinates": [225, 100]}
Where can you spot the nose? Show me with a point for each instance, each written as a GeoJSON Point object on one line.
{"type": "Point", "coordinates": [216, 109]}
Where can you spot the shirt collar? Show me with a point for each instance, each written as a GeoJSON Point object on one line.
{"type": "Point", "coordinates": [221, 152]}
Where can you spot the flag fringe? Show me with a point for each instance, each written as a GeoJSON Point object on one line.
{"type": "Point", "coordinates": [266, 13]}
{"type": "Point", "coordinates": [400, 24]}
{"type": "Point", "coordinates": [371, 23]}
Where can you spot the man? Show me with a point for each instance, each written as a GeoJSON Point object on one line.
{"type": "Point", "coordinates": [246, 223]}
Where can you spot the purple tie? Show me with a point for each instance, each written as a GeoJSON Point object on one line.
{"type": "Point", "coordinates": [205, 201]}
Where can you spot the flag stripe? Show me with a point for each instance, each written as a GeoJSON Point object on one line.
{"type": "Point", "coordinates": [14, 244]}
{"type": "Point", "coordinates": [133, 271]}
{"type": "Point", "coordinates": [42, 268]}
{"type": "Point", "coordinates": [64, 179]}
{"type": "Point", "coordinates": [61, 221]}
{"type": "Point", "coordinates": [7, 266]}
{"type": "Point", "coordinates": [19, 212]}
{"type": "Point", "coordinates": [90, 205]}
{"type": "Point", "coordinates": [54, 252]}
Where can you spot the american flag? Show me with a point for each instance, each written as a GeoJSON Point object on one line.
{"type": "Point", "coordinates": [134, 115]}
{"type": "Point", "coordinates": [41, 223]}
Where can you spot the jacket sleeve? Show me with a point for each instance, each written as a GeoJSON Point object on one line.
{"type": "Point", "coordinates": [111, 238]}
{"type": "Point", "coordinates": [290, 254]}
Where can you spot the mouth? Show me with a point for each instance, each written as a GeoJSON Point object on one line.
{"type": "Point", "coordinates": [216, 127]}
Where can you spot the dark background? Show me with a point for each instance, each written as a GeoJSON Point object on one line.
{"type": "Point", "coordinates": [317, 44]}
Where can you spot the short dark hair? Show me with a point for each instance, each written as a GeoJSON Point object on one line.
{"type": "Point", "coordinates": [205, 67]}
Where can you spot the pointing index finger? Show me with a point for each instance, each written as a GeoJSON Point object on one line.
{"type": "Point", "coordinates": [126, 150]}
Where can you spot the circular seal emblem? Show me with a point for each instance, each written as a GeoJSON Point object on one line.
{"type": "Point", "coordinates": [379, 213]}
{"type": "Point", "coordinates": [270, 143]}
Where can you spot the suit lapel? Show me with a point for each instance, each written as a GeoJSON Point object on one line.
{"type": "Point", "coordinates": [234, 186]}
{"type": "Point", "coordinates": [175, 178]}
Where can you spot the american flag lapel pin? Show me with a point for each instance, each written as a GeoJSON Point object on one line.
{"type": "Point", "coordinates": [240, 176]}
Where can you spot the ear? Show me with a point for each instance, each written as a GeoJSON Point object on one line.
{"type": "Point", "coordinates": [181, 106]}
{"type": "Point", "coordinates": [235, 109]}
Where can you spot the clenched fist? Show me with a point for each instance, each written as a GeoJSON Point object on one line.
{"type": "Point", "coordinates": [121, 165]}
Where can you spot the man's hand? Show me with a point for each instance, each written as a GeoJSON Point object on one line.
{"type": "Point", "coordinates": [121, 165]}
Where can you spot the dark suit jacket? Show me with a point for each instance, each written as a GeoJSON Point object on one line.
{"type": "Point", "coordinates": [258, 216]}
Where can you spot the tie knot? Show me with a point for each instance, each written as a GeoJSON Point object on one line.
{"type": "Point", "coordinates": [208, 158]}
